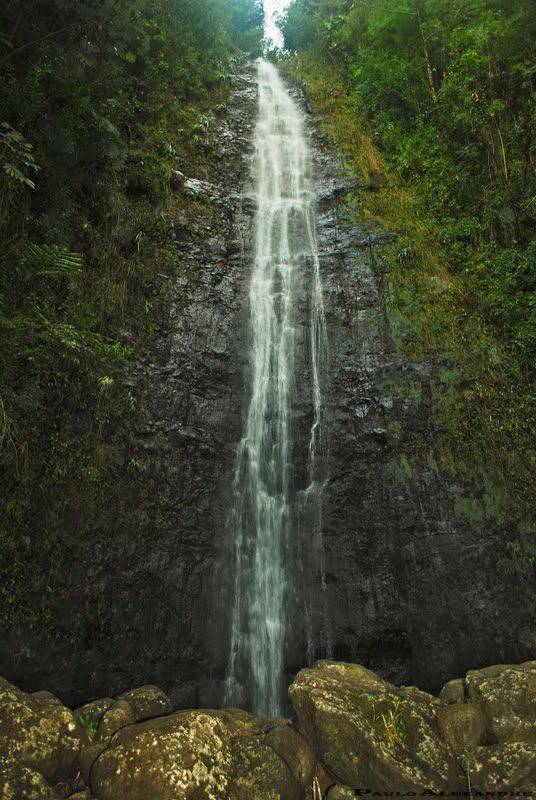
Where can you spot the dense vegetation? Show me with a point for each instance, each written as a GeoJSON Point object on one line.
{"type": "Point", "coordinates": [435, 102]}
{"type": "Point", "coordinates": [99, 102]}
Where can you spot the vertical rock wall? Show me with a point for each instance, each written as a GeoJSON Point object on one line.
{"type": "Point", "coordinates": [413, 590]}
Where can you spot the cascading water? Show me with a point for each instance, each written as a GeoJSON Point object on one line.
{"type": "Point", "coordinates": [267, 511]}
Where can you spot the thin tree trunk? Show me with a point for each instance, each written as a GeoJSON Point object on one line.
{"type": "Point", "coordinates": [426, 56]}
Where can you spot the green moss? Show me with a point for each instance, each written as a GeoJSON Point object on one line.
{"type": "Point", "coordinates": [400, 469]}
{"type": "Point", "coordinates": [431, 463]}
{"type": "Point", "coordinates": [471, 509]}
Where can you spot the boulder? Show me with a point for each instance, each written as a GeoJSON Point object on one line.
{"type": "Point", "coordinates": [177, 179]}
{"type": "Point", "coordinates": [88, 756]}
{"type": "Point", "coordinates": [118, 716]}
{"type": "Point", "coordinates": [340, 792]}
{"type": "Point", "coordinates": [19, 782]}
{"type": "Point", "coordinates": [147, 702]}
{"type": "Point", "coordinates": [507, 695]}
{"type": "Point", "coordinates": [242, 723]}
{"type": "Point", "coordinates": [462, 726]}
{"type": "Point", "coordinates": [44, 695]}
{"type": "Point", "coordinates": [295, 751]}
{"type": "Point", "coordinates": [453, 692]}
{"type": "Point", "coordinates": [368, 733]}
{"type": "Point", "coordinates": [184, 755]}
{"type": "Point", "coordinates": [39, 733]}
{"type": "Point", "coordinates": [214, 755]}
{"type": "Point", "coordinates": [258, 773]}
{"type": "Point", "coordinates": [91, 713]}
{"type": "Point", "coordinates": [502, 767]}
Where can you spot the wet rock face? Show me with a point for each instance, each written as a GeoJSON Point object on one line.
{"type": "Point", "coordinates": [158, 618]}
{"type": "Point", "coordinates": [413, 590]}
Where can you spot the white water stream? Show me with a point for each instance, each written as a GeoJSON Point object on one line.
{"type": "Point", "coordinates": [267, 510]}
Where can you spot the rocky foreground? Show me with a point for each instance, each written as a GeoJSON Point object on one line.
{"type": "Point", "coordinates": [354, 734]}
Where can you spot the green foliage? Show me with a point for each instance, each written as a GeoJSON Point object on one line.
{"type": "Point", "coordinates": [434, 102]}
{"type": "Point", "coordinates": [449, 91]}
{"type": "Point", "coordinates": [99, 102]}
{"type": "Point", "coordinates": [48, 260]}
{"type": "Point", "coordinates": [387, 719]}
{"type": "Point", "coordinates": [89, 725]}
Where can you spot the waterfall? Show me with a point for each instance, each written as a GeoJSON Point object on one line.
{"type": "Point", "coordinates": [267, 510]}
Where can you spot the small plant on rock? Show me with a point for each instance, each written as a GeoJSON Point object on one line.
{"type": "Point", "coordinates": [89, 725]}
{"type": "Point", "coordinates": [389, 722]}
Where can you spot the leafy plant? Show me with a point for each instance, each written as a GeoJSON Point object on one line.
{"type": "Point", "coordinates": [388, 720]}
{"type": "Point", "coordinates": [48, 260]}
{"type": "Point", "coordinates": [16, 155]}
{"type": "Point", "coordinates": [90, 726]}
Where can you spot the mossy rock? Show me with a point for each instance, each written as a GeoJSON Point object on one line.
{"type": "Point", "coordinates": [507, 695]}
{"type": "Point", "coordinates": [502, 767]}
{"type": "Point", "coordinates": [452, 692]}
{"type": "Point", "coordinates": [295, 751]}
{"type": "Point", "coordinates": [258, 773]}
{"type": "Point", "coordinates": [118, 716]}
{"type": "Point", "coordinates": [19, 782]}
{"type": "Point", "coordinates": [368, 733]}
{"type": "Point", "coordinates": [340, 792]}
{"type": "Point", "coordinates": [184, 755]}
{"type": "Point", "coordinates": [40, 733]}
{"type": "Point", "coordinates": [147, 702]}
{"type": "Point", "coordinates": [462, 726]}
{"type": "Point", "coordinates": [91, 713]}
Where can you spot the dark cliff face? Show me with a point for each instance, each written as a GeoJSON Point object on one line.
{"type": "Point", "coordinates": [156, 600]}
{"type": "Point", "coordinates": [413, 590]}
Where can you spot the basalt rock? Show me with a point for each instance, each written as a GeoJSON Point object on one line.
{"type": "Point", "coordinates": [507, 695]}
{"type": "Point", "coordinates": [19, 782]}
{"type": "Point", "coordinates": [412, 587]}
{"type": "Point", "coordinates": [202, 754]}
{"type": "Point", "coordinates": [118, 716]}
{"type": "Point", "coordinates": [368, 733]}
{"type": "Point", "coordinates": [39, 733]}
{"type": "Point", "coordinates": [340, 792]}
{"type": "Point", "coordinates": [373, 736]}
{"type": "Point", "coordinates": [147, 702]}
{"type": "Point", "coordinates": [461, 726]}
{"type": "Point", "coordinates": [92, 712]}
{"type": "Point", "coordinates": [503, 767]}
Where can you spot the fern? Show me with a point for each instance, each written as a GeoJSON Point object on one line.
{"type": "Point", "coordinates": [43, 259]}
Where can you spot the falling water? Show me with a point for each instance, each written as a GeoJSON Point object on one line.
{"type": "Point", "coordinates": [266, 508]}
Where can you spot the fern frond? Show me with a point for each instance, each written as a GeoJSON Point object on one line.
{"type": "Point", "coordinates": [44, 259]}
